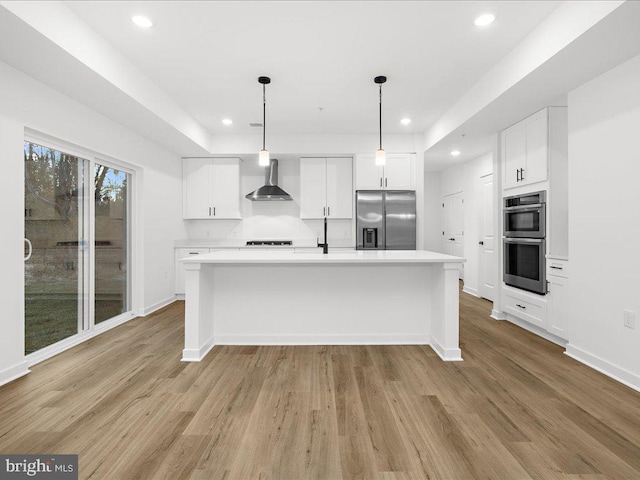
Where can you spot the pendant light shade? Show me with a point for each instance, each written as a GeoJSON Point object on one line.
{"type": "Point", "coordinates": [381, 157]}
{"type": "Point", "coordinates": [263, 156]}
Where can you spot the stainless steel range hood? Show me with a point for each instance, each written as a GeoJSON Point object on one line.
{"type": "Point", "coordinates": [270, 191]}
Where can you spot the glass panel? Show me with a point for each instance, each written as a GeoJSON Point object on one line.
{"type": "Point", "coordinates": [524, 221]}
{"type": "Point", "coordinates": [53, 220]}
{"type": "Point", "coordinates": [111, 264]}
{"type": "Point", "coordinates": [524, 261]}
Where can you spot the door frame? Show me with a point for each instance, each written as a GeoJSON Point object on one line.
{"type": "Point", "coordinates": [482, 289]}
{"type": "Point", "coordinates": [88, 329]}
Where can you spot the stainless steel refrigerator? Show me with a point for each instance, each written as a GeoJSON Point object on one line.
{"type": "Point", "coordinates": [385, 220]}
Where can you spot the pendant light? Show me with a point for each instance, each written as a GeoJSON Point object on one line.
{"type": "Point", "coordinates": [380, 155]}
{"type": "Point", "coordinates": [263, 156]}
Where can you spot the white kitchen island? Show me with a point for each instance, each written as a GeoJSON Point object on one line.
{"type": "Point", "coordinates": [342, 298]}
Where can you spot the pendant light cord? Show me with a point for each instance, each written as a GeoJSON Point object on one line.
{"type": "Point", "coordinates": [380, 116]}
{"type": "Point", "coordinates": [264, 114]}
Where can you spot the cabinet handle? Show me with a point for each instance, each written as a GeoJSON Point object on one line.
{"type": "Point", "coordinates": [380, 182]}
{"type": "Point", "coordinates": [521, 306]}
{"type": "Point", "coordinates": [193, 253]}
{"type": "Point", "coordinates": [480, 242]}
{"type": "Point", "coordinates": [385, 182]}
{"type": "Point", "coordinates": [209, 211]}
{"type": "Point", "coordinates": [328, 211]}
{"type": "Point", "coordinates": [555, 268]}
{"type": "Point", "coordinates": [214, 211]}
{"type": "Point", "coordinates": [324, 211]}
{"type": "Point", "coordinates": [517, 175]}
{"type": "Point", "coordinates": [521, 174]}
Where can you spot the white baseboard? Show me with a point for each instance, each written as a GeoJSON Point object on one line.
{"type": "Point", "coordinates": [157, 306]}
{"type": "Point", "coordinates": [619, 374]}
{"type": "Point", "coordinates": [446, 354]}
{"type": "Point", "coordinates": [12, 373]}
{"type": "Point", "coordinates": [330, 339]}
{"type": "Point", "coordinates": [179, 296]}
{"type": "Point", "coordinates": [197, 354]}
{"type": "Point", "coordinates": [537, 330]}
{"type": "Point", "coordinates": [471, 291]}
{"type": "Point", "coordinates": [498, 315]}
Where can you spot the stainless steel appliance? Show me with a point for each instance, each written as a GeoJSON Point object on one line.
{"type": "Point", "coordinates": [270, 191]}
{"type": "Point", "coordinates": [524, 242]}
{"type": "Point", "coordinates": [385, 220]}
{"type": "Point", "coordinates": [525, 215]}
{"type": "Point", "coordinates": [524, 264]}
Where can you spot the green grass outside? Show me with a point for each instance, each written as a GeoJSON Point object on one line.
{"type": "Point", "coordinates": [49, 319]}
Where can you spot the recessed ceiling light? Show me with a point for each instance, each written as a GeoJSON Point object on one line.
{"type": "Point", "coordinates": [405, 121]}
{"type": "Point", "coordinates": [142, 21]}
{"type": "Point", "coordinates": [227, 121]}
{"type": "Point", "coordinates": [484, 20]}
{"type": "Point", "coordinates": [455, 153]}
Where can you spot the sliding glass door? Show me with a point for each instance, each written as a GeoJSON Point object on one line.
{"type": "Point", "coordinates": [77, 244]}
{"type": "Point", "coordinates": [112, 244]}
{"type": "Point", "coordinates": [54, 200]}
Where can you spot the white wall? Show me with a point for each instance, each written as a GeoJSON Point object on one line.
{"type": "Point", "coordinates": [432, 212]}
{"type": "Point", "coordinates": [463, 178]}
{"type": "Point", "coordinates": [604, 221]}
{"type": "Point", "coordinates": [24, 102]}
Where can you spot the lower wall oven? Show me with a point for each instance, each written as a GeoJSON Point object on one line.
{"type": "Point", "coordinates": [524, 264]}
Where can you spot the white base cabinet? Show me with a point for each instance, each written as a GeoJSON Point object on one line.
{"type": "Point", "coordinates": [326, 188]}
{"type": "Point", "coordinates": [397, 174]}
{"type": "Point", "coordinates": [526, 306]}
{"type": "Point", "coordinates": [211, 188]}
{"type": "Point", "coordinates": [558, 302]}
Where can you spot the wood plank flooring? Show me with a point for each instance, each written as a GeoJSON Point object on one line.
{"type": "Point", "coordinates": [516, 408]}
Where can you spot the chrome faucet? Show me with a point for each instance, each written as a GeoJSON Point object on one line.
{"type": "Point", "coordinates": [325, 245]}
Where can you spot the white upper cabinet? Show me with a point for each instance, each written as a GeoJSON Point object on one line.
{"type": "Point", "coordinates": [397, 174]}
{"type": "Point", "coordinates": [326, 188]}
{"type": "Point", "coordinates": [525, 151]}
{"type": "Point", "coordinates": [211, 188]}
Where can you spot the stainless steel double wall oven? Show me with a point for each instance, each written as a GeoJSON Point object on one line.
{"type": "Point", "coordinates": [524, 242]}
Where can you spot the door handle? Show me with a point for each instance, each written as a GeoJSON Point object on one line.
{"type": "Point", "coordinates": [480, 242]}
{"type": "Point", "coordinates": [28, 242]}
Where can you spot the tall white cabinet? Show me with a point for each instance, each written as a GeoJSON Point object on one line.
{"type": "Point", "coordinates": [211, 188]}
{"type": "Point", "coordinates": [326, 188]}
{"type": "Point", "coordinates": [398, 173]}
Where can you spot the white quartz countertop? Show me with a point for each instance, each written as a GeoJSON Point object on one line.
{"type": "Point", "coordinates": [336, 257]}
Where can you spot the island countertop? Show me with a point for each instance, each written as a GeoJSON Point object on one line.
{"type": "Point", "coordinates": [359, 257]}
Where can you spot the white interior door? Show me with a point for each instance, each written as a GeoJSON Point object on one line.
{"type": "Point", "coordinates": [453, 226]}
{"type": "Point", "coordinates": [487, 241]}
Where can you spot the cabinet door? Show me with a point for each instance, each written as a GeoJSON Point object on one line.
{"type": "Point", "coordinates": [226, 188]}
{"type": "Point", "coordinates": [313, 187]}
{"type": "Point", "coordinates": [368, 174]}
{"type": "Point", "coordinates": [558, 306]}
{"type": "Point", "coordinates": [513, 155]}
{"type": "Point", "coordinates": [197, 187]}
{"type": "Point", "coordinates": [398, 172]}
{"type": "Point", "coordinates": [339, 188]}
{"type": "Point", "coordinates": [536, 151]}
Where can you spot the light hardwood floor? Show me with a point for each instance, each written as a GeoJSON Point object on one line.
{"type": "Point", "coordinates": [516, 408]}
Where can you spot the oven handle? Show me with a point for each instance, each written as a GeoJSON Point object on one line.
{"type": "Point", "coordinates": [523, 240]}
{"type": "Point", "coordinates": [524, 208]}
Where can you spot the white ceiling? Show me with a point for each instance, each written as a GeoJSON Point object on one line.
{"type": "Point", "coordinates": [207, 57]}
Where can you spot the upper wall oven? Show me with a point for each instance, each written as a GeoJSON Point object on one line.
{"type": "Point", "coordinates": [525, 215]}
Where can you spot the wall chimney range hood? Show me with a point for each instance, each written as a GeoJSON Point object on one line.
{"type": "Point", "coordinates": [270, 191]}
